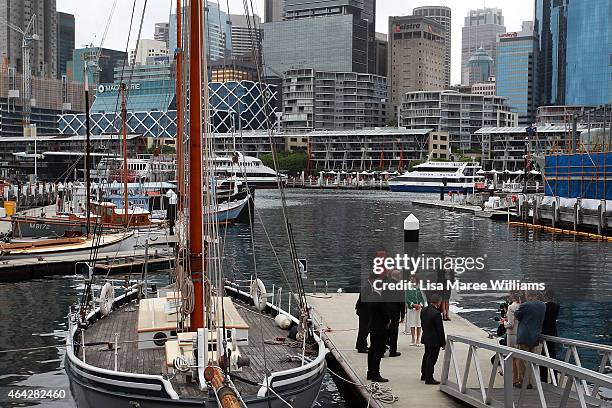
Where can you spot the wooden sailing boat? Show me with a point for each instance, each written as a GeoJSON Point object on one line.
{"type": "Point", "coordinates": [200, 342]}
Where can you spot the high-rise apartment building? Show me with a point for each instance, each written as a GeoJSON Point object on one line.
{"type": "Point", "coordinates": [162, 32]}
{"type": "Point", "coordinates": [459, 114]}
{"type": "Point", "coordinates": [65, 41]}
{"type": "Point", "coordinates": [480, 30]}
{"type": "Point", "coordinates": [516, 79]}
{"type": "Point", "coordinates": [417, 57]}
{"type": "Point", "coordinates": [442, 15]}
{"type": "Point", "coordinates": [43, 53]}
{"type": "Point", "coordinates": [316, 100]}
{"type": "Point", "coordinates": [246, 34]}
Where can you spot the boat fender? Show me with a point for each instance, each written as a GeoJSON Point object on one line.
{"type": "Point", "coordinates": [282, 321]}
{"type": "Point", "coordinates": [107, 297]}
{"type": "Point", "coordinates": [259, 295]}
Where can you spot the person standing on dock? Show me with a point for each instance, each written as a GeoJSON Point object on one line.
{"type": "Point", "coordinates": [361, 309]}
{"type": "Point", "coordinates": [433, 338]}
{"type": "Point", "coordinates": [415, 301]}
{"type": "Point", "coordinates": [529, 334]}
{"type": "Point", "coordinates": [397, 312]}
{"type": "Point", "coordinates": [549, 328]}
{"type": "Point", "coordinates": [511, 325]}
{"type": "Point", "coordinates": [380, 318]}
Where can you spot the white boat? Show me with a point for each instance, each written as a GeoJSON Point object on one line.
{"type": "Point", "coordinates": [432, 176]}
{"type": "Point", "coordinates": [241, 169]}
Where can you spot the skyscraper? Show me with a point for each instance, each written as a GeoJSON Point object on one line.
{"type": "Point", "coordinates": [416, 56]}
{"type": "Point", "coordinates": [480, 30]}
{"type": "Point", "coordinates": [588, 74]}
{"type": "Point", "coordinates": [274, 10]}
{"type": "Point", "coordinates": [330, 35]}
{"type": "Point", "coordinates": [550, 27]}
{"type": "Point", "coordinates": [43, 53]}
{"type": "Point", "coordinates": [245, 35]}
{"type": "Point", "coordinates": [442, 15]}
{"type": "Point", "coordinates": [574, 51]}
{"type": "Point", "coordinates": [218, 33]}
{"type": "Point", "coordinates": [516, 79]}
{"type": "Point", "coordinates": [65, 41]}
{"type": "Point", "coordinates": [480, 66]}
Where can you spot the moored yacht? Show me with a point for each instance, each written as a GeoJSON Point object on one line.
{"type": "Point", "coordinates": [431, 176]}
{"type": "Point", "coordinates": [239, 168]}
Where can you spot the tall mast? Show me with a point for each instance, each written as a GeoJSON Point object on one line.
{"type": "Point", "coordinates": [180, 162]}
{"type": "Point", "coordinates": [87, 153]}
{"type": "Point", "coordinates": [125, 162]}
{"type": "Point", "coordinates": [195, 163]}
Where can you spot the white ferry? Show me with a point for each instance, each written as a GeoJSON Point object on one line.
{"type": "Point", "coordinates": [431, 176]}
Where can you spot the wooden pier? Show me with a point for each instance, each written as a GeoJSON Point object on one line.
{"type": "Point", "coordinates": [110, 262]}
{"type": "Point", "coordinates": [470, 368]}
{"type": "Point", "coordinates": [336, 313]}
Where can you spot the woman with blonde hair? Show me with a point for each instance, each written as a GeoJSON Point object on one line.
{"type": "Point", "coordinates": [511, 325]}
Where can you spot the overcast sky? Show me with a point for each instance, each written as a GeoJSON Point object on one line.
{"type": "Point", "coordinates": [91, 17]}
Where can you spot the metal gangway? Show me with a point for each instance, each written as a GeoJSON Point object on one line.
{"type": "Point", "coordinates": [570, 384]}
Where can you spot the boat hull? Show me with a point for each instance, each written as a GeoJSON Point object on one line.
{"type": "Point", "coordinates": [40, 227]}
{"type": "Point", "coordinates": [427, 189]}
{"type": "Point", "coordinates": [92, 394]}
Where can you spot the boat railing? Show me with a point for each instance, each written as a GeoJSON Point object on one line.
{"type": "Point", "coordinates": [575, 385]}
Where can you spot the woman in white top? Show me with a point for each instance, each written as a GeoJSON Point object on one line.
{"type": "Point", "coordinates": [511, 325]}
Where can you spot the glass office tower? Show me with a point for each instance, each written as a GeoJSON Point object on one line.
{"type": "Point", "coordinates": [588, 54]}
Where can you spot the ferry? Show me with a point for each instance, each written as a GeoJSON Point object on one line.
{"type": "Point", "coordinates": [431, 176]}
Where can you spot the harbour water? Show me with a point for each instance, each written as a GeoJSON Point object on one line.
{"type": "Point", "coordinates": [338, 233]}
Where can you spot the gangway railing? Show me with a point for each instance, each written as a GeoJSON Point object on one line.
{"type": "Point", "coordinates": [572, 348]}
{"type": "Point", "coordinates": [572, 386]}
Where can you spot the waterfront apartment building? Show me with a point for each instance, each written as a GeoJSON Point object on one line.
{"type": "Point", "coordinates": [320, 100]}
{"type": "Point", "coordinates": [516, 63]}
{"type": "Point", "coordinates": [503, 148]}
{"type": "Point", "coordinates": [560, 115]}
{"type": "Point", "coordinates": [43, 55]}
{"type": "Point", "coordinates": [442, 15]}
{"type": "Point", "coordinates": [367, 149]}
{"type": "Point", "coordinates": [417, 57]}
{"type": "Point", "coordinates": [458, 114]}
{"type": "Point", "coordinates": [480, 29]}
{"type": "Point", "coordinates": [246, 36]}
{"type": "Point", "coordinates": [65, 41]}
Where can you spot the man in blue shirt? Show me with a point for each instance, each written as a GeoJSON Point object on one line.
{"type": "Point", "coordinates": [529, 336]}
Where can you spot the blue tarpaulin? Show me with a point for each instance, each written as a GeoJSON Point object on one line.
{"type": "Point", "coordinates": [580, 175]}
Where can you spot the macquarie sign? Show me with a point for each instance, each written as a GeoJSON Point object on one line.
{"type": "Point", "coordinates": [116, 87]}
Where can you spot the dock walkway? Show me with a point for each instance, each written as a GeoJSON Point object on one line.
{"type": "Point", "coordinates": [337, 312]}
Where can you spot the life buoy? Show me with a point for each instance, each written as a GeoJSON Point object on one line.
{"type": "Point", "coordinates": [259, 294]}
{"type": "Point", "coordinates": [107, 298]}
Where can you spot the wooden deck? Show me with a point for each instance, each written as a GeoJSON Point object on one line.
{"type": "Point", "coordinates": [153, 361]}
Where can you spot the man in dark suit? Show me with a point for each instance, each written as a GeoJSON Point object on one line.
{"type": "Point", "coordinates": [361, 309]}
{"type": "Point", "coordinates": [378, 310]}
{"type": "Point", "coordinates": [433, 338]}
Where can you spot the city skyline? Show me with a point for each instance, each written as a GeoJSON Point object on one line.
{"type": "Point", "coordinates": [97, 11]}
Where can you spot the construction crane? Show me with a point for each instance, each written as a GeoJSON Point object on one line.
{"type": "Point", "coordinates": [28, 37]}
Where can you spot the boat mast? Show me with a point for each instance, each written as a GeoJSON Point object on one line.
{"type": "Point", "coordinates": [87, 153]}
{"type": "Point", "coordinates": [180, 159]}
{"type": "Point", "coordinates": [195, 163]}
{"type": "Point", "coordinates": [125, 162]}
